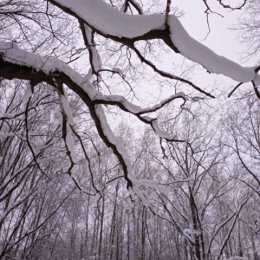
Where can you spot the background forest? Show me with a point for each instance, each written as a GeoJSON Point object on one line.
{"type": "Point", "coordinates": [87, 173]}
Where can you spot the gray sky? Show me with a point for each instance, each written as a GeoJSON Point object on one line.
{"type": "Point", "coordinates": [221, 39]}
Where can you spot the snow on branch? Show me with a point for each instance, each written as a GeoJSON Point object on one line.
{"type": "Point", "coordinates": [54, 69]}
{"type": "Point", "coordinates": [109, 21]}
{"type": "Point", "coordinates": [139, 112]}
{"type": "Point", "coordinates": [197, 52]}
{"type": "Point", "coordinates": [127, 29]}
{"type": "Point", "coordinates": [134, 109]}
{"type": "Point", "coordinates": [17, 63]}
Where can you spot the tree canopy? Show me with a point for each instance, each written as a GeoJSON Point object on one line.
{"type": "Point", "coordinates": [74, 82]}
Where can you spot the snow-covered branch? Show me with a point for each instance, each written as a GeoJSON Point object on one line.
{"type": "Point", "coordinates": [127, 29]}
{"type": "Point", "coordinates": [17, 63]}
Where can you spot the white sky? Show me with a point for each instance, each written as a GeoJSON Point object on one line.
{"type": "Point", "coordinates": [221, 39]}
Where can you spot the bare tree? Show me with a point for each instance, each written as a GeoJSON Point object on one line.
{"type": "Point", "coordinates": [67, 70]}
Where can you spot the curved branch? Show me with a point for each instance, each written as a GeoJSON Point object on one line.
{"type": "Point", "coordinates": [17, 63]}
{"type": "Point", "coordinates": [127, 29]}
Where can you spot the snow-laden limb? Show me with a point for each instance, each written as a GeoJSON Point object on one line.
{"type": "Point", "coordinates": [199, 53]}
{"type": "Point", "coordinates": [53, 65]}
{"type": "Point", "coordinates": [179, 95]}
{"type": "Point", "coordinates": [50, 69]}
{"type": "Point", "coordinates": [17, 63]}
{"type": "Point", "coordinates": [127, 29]}
{"type": "Point", "coordinates": [111, 22]}
{"type": "Point", "coordinates": [39, 64]}
{"type": "Point", "coordinates": [122, 153]}
{"type": "Point", "coordinates": [129, 107]}
{"type": "Point", "coordinates": [132, 108]}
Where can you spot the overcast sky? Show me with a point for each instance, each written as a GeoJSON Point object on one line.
{"type": "Point", "coordinates": [221, 39]}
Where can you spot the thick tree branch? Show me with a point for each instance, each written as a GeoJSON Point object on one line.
{"type": "Point", "coordinates": [16, 63]}
{"type": "Point", "coordinates": [127, 29]}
